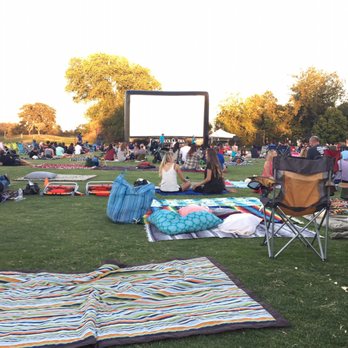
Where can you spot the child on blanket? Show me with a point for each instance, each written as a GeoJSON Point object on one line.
{"type": "Point", "coordinates": [169, 171]}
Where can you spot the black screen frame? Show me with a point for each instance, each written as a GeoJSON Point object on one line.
{"type": "Point", "coordinates": [167, 93]}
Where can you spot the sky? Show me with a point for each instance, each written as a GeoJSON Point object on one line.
{"type": "Point", "coordinates": [223, 47]}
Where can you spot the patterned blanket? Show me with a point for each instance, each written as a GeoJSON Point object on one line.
{"type": "Point", "coordinates": [61, 166]}
{"type": "Point", "coordinates": [113, 305]}
{"type": "Point", "coordinates": [236, 184]}
{"type": "Point", "coordinates": [62, 177]}
{"type": "Point", "coordinates": [250, 205]}
{"type": "Point", "coordinates": [155, 235]}
{"type": "Point", "coordinates": [189, 192]}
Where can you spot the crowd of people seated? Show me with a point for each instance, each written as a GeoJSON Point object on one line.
{"type": "Point", "coordinates": [49, 150]}
{"type": "Point", "coordinates": [124, 152]}
{"type": "Point", "coordinates": [312, 150]}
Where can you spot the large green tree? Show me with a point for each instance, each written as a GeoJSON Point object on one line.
{"type": "Point", "coordinates": [102, 80]}
{"type": "Point", "coordinates": [332, 127]}
{"type": "Point", "coordinates": [312, 93]}
{"type": "Point", "coordinates": [38, 117]}
{"type": "Point", "coordinates": [271, 119]}
{"type": "Point", "coordinates": [233, 118]}
{"type": "Point", "coordinates": [344, 108]}
{"type": "Point", "coordinates": [257, 115]}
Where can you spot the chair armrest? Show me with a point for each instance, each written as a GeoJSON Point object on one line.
{"type": "Point", "coordinates": [264, 180]}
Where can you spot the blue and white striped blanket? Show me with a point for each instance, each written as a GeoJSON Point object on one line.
{"type": "Point", "coordinates": [113, 305]}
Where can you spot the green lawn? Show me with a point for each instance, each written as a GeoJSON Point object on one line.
{"type": "Point", "coordinates": [73, 234]}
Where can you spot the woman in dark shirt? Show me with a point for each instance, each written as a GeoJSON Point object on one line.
{"type": "Point", "coordinates": [213, 179]}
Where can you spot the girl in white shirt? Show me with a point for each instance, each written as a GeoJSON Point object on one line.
{"type": "Point", "coordinates": [169, 171]}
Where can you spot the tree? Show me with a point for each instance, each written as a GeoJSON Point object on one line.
{"type": "Point", "coordinates": [234, 119]}
{"type": "Point", "coordinates": [7, 128]}
{"type": "Point", "coordinates": [312, 93]}
{"type": "Point", "coordinates": [103, 79]}
{"type": "Point", "coordinates": [38, 116]}
{"type": "Point", "coordinates": [258, 114]}
{"type": "Point", "coordinates": [271, 119]}
{"type": "Point", "coordinates": [332, 127]}
{"type": "Point", "coordinates": [344, 108]}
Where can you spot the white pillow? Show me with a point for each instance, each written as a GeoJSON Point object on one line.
{"type": "Point", "coordinates": [40, 175]}
{"type": "Point", "coordinates": [242, 224]}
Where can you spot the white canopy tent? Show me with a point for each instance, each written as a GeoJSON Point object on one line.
{"type": "Point", "coordinates": [221, 134]}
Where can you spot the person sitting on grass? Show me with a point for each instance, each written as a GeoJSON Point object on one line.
{"type": "Point", "coordinates": [71, 149]}
{"type": "Point", "coordinates": [268, 166]}
{"type": "Point", "coordinates": [48, 152]}
{"type": "Point", "coordinates": [169, 172]}
{"type": "Point", "coordinates": [59, 150]}
{"type": "Point", "coordinates": [122, 152]}
{"type": "Point", "coordinates": [110, 153]}
{"type": "Point", "coordinates": [192, 159]}
{"type": "Point", "coordinates": [141, 153]}
{"type": "Point", "coordinates": [221, 159]}
{"type": "Point", "coordinates": [213, 178]}
{"type": "Point", "coordinates": [78, 149]}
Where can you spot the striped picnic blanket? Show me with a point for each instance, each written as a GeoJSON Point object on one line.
{"type": "Point", "coordinates": [155, 235]}
{"type": "Point", "coordinates": [61, 166]}
{"type": "Point", "coordinates": [113, 305]}
{"type": "Point", "coordinates": [250, 205]}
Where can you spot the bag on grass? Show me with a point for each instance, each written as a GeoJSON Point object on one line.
{"type": "Point", "coordinates": [31, 189]}
{"type": "Point", "coordinates": [4, 183]}
{"type": "Point", "coordinates": [127, 204]}
{"type": "Point", "coordinates": [92, 162]}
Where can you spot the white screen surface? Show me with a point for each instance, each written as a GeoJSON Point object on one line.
{"type": "Point", "coordinates": [172, 115]}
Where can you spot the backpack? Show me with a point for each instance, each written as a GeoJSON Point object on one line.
{"type": "Point", "coordinates": [92, 162]}
{"type": "Point", "coordinates": [128, 204]}
{"type": "Point", "coordinates": [145, 165]}
{"type": "Point", "coordinates": [4, 183]}
{"type": "Point", "coordinates": [31, 189]}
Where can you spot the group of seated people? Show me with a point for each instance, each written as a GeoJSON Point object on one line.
{"type": "Point", "coordinates": [49, 150]}
{"type": "Point", "coordinates": [311, 150]}
{"type": "Point", "coordinates": [170, 171]}
{"type": "Point", "coordinates": [8, 157]}
{"type": "Point", "coordinates": [122, 152]}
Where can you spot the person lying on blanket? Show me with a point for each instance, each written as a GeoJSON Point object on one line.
{"type": "Point", "coordinates": [214, 181]}
{"type": "Point", "coordinates": [169, 172]}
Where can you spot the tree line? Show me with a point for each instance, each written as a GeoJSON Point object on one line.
{"type": "Point", "coordinates": [317, 104]}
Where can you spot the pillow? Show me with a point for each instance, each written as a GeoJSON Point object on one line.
{"type": "Point", "coordinates": [192, 208]}
{"type": "Point", "coordinates": [40, 175]}
{"type": "Point", "coordinates": [242, 224]}
{"type": "Point", "coordinates": [170, 222]}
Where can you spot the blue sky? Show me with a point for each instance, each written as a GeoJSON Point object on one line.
{"type": "Point", "coordinates": [220, 46]}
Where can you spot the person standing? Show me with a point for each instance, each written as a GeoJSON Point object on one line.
{"type": "Point", "coordinates": [79, 138]}
{"type": "Point", "coordinates": [162, 140]}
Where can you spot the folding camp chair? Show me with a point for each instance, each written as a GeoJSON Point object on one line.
{"type": "Point", "coordinates": [99, 188]}
{"type": "Point", "coordinates": [300, 187]}
{"type": "Point", "coordinates": [58, 188]}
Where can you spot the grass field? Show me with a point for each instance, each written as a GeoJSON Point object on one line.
{"type": "Point", "coordinates": [73, 234]}
{"type": "Point", "coordinates": [43, 137]}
